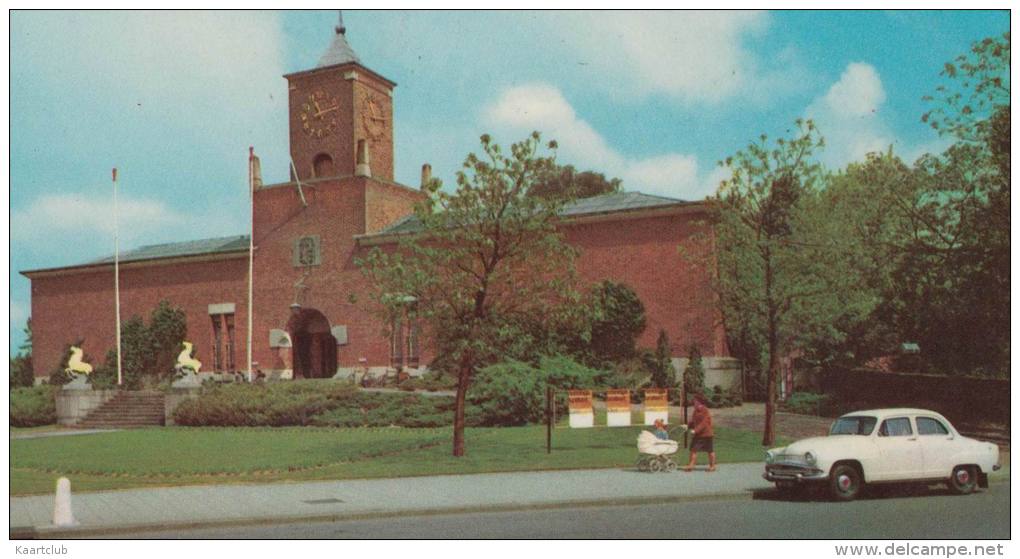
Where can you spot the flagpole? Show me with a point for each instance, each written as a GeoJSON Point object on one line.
{"type": "Point", "coordinates": [116, 273]}
{"type": "Point", "coordinates": [251, 252]}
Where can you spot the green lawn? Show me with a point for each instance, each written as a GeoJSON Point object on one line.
{"type": "Point", "coordinates": [181, 455]}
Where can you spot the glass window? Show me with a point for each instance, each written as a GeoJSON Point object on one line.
{"type": "Point", "coordinates": [854, 425]}
{"type": "Point", "coordinates": [228, 320]}
{"type": "Point", "coordinates": [217, 342]}
{"type": "Point", "coordinates": [397, 343]}
{"type": "Point", "coordinates": [896, 427]}
{"type": "Point", "coordinates": [930, 426]}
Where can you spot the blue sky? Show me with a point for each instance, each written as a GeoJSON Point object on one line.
{"type": "Point", "coordinates": [174, 99]}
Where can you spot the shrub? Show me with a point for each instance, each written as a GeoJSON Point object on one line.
{"type": "Point", "coordinates": [663, 374]}
{"type": "Point", "coordinates": [806, 403]}
{"type": "Point", "coordinates": [513, 393]}
{"type": "Point", "coordinates": [31, 407]}
{"type": "Point", "coordinates": [311, 402]}
{"type": "Point", "coordinates": [431, 381]}
{"type": "Point", "coordinates": [717, 397]}
{"type": "Point", "coordinates": [694, 374]}
{"type": "Point", "coordinates": [21, 373]}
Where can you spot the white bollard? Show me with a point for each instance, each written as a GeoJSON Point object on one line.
{"type": "Point", "coordinates": [62, 513]}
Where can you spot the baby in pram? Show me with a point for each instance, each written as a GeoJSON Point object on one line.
{"type": "Point", "coordinates": [655, 449]}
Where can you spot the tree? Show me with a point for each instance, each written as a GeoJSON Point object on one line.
{"type": "Point", "coordinates": [21, 370]}
{"type": "Point", "coordinates": [694, 374]}
{"type": "Point", "coordinates": [769, 264]}
{"type": "Point", "coordinates": [617, 319]}
{"type": "Point", "coordinates": [148, 351]}
{"type": "Point", "coordinates": [977, 88]}
{"type": "Point", "coordinates": [567, 183]}
{"type": "Point", "coordinates": [663, 374]}
{"type": "Point", "coordinates": [488, 262]}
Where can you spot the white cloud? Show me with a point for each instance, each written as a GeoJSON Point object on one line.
{"type": "Point", "coordinates": [849, 116]}
{"type": "Point", "coordinates": [89, 212]}
{"type": "Point", "coordinates": [19, 312]}
{"type": "Point", "coordinates": [521, 109]}
{"type": "Point", "coordinates": [692, 56]}
{"type": "Point", "coordinates": [157, 81]}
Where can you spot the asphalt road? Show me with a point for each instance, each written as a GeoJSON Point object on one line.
{"type": "Point", "coordinates": [900, 513]}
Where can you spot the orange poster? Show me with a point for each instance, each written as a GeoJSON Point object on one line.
{"type": "Point", "coordinates": [656, 405]}
{"type": "Point", "coordinates": [581, 412]}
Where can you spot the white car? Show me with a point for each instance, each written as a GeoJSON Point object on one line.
{"type": "Point", "coordinates": [882, 446]}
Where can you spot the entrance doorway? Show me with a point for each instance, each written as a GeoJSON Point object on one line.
{"type": "Point", "coordinates": [314, 347]}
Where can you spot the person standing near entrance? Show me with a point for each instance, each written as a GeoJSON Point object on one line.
{"type": "Point", "coordinates": [701, 428]}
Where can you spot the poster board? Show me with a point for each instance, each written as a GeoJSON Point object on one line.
{"type": "Point", "coordinates": [582, 414]}
{"type": "Point", "coordinates": [656, 405]}
{"type": "Point", "coordinates": [618, 407]}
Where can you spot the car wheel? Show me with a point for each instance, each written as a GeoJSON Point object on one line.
{"type": "Point", "coordinates": [964, 480]}
{"type": "Point", "coordinates": [845, 482]}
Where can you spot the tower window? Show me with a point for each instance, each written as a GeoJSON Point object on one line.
{"type": "Point", "coordinates": [322, 165]}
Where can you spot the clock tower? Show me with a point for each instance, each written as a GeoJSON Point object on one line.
{"type": "Point", "coordinates": [336, 107]}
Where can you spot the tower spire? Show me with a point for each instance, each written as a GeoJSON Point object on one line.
{"type": "Point", "coordinates": [339, 52]}
{"type": "Point", "coordinates": [340, 28]}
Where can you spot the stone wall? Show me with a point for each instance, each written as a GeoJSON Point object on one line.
{"type": "Point", "coordinates": [74, 405]}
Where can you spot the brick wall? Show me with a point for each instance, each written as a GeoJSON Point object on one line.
{"type": "Point", "coordinates": [643, 253]}
{"type": "Point", "coordinates": [80, 305]}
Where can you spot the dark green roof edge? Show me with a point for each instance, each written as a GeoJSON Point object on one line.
{"type": "Point", "coordinates": [162, 251]}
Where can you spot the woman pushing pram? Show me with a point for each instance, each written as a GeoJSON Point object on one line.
{"type": "Point", "coordinates": [656, 447]}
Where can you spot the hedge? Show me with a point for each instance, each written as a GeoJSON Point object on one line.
{"type": "Point", "coordinates": [311, 402]}
{"type": "Point", "coordinates": [31, 407]}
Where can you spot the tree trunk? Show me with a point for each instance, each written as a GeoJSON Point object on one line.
{"type": "Point", "coordinates": [463, 378]}
{"type": "Point", "coordinates": [769, 431]}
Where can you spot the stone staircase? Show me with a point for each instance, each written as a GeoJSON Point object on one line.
{"type": "Point", "coordinates": [134, 408]}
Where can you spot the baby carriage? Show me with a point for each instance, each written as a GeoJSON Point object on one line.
{"type": "Point", "coordinates": [655, 453]}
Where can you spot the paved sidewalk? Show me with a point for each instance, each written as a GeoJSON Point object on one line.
{"type": "Point", "coordinates": [325, 500]}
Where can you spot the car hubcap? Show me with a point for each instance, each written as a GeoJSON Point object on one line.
{"type": "Point", "coordinates": [962, 477]}
{"type": "Point", "coordinates": [844, 482]}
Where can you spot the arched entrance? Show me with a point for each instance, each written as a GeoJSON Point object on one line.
{"type": "Point", "coordinates": [314, 347]}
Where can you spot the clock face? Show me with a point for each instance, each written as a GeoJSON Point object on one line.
{"type": "Point", "coordinates": [320, 114]}
{"type": "Point", "coordinates": [374, 118]}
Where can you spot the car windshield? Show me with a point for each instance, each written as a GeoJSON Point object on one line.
{"type": "Point", "coordinates": [853, 425]}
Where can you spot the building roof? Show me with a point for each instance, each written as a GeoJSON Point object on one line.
{"type": "Point", "coordinates": [201, 247]}
{"type": "Point", "coordinates": [339, 51]}
{"type": "Point", "coordinates": [605, 203]}
{"type": "Point", "coordinates": [216, 245]}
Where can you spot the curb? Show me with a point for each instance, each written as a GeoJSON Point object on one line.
{"type": "Point", "coordinates": [77, 532]}
{"type": "Point", "coordinates": [51, 532]}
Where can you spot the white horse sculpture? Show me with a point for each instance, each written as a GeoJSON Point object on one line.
{"type": "Point", "coordinates": [75, 365]}
{"type": "Point", "coordinates": [186, 361]}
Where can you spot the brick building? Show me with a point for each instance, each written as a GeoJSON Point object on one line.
{"type": "Point", "coordinates": [310, 317]}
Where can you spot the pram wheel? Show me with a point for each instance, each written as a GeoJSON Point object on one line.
{"type": "Point", "coordinates": [670, 466]}
{"type": "Point", "coordinates": [655, 465]}
{"type": "Point", "coordinates": [642, 463]}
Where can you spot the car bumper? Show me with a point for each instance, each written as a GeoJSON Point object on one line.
{"type": "Point", "coordinates": [795, 473]}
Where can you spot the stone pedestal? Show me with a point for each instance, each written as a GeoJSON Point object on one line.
{"type": "Point", "coordinates": [188, 380]}
{"type": "Point", "coordinates": [174, 398]}
{"type": "Point", "coordinates": [79, 382]}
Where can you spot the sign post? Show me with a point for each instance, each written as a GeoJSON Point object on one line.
{"type": "Point", "coordinates": [550, 407]}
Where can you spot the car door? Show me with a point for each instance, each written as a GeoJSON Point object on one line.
{"type": "Point", "coordinates": [937, 445]}
{"type": "Point", "coordinates": [899, 453]}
